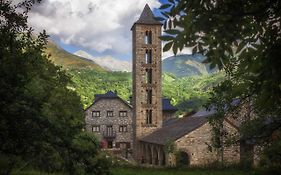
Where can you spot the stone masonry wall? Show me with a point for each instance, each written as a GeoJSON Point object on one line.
{"type": "Point", "coordinates": [195, 144]}
{"type": "Point", "coordinates": [140, 86]}
{"type": "Point", "coordinates": [168, 115]}
{"type": "Point", "coordinates": [115, 105]}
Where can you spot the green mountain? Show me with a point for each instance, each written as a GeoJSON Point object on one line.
{"type": "Point", "coordinates": [88, 79]}
{"type": "Point", "coordinates": [186, 65]}
{"type": "Point", "coordinates": [67, 60]}
{"type": "Point", "coordinates": [187, 93]}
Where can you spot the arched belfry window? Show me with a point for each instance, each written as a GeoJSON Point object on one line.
{"type": "Point", "coordinates": [148, 56]}
{"type": "Point", "coordinates": [149, 76]}
{"type": "Point", "coordinates": [148, 37]}
{"type": "Point", "coordinates": [149, 96]}
{"type": "Point", "coordinates": [148, 116]}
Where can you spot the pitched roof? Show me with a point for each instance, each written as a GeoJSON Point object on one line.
{"type": "Point", "coordinates": [108, 95]}
{"type": "Point", "coordinates": [167, 106]}
{"type": "Point", "coordinates": [175, 129]}
{"type": "Point", "coordinates": [147, 17]}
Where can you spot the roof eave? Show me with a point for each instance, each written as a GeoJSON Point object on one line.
{"type": "Point", "coordinates": [136, 23]}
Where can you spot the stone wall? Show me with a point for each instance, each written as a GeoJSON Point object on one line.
{"type": "Point", "coordinates": [115, 105]}
{"type": "Point", "coordinates": [140, 86]}
{"type": "Point", "coordinates": [197, 145]}
{"type": "Point", "coordinates": [168, 115]}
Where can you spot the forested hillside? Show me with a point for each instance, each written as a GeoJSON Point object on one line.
{"type": "Point", "coordinates": [187, 92]}
{"type": "Point", "coordinates": [88, 82]}
{"type": "Point", "coordinates": [188, 85]}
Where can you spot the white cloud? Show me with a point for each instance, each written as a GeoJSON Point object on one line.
{"type": "Point", "coordinates": [100, 25]}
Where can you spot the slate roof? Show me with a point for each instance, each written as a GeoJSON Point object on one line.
{"type": "Point", "coordinates": [147, 17]}
{"type": "Point", "coordinates": [167, 106]}
{"type": "Point", "coordinates": [174, 129]}
{"type": "Point", "coordinates": [109, 94]}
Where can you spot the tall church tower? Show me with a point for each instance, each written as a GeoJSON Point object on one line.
{"type": "Point", "coordinates": [147, 93]}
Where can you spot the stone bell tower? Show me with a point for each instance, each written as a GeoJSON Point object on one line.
{"type": "Point", "coordinates": [147, 93]}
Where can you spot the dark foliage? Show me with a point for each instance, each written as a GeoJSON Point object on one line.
{"type": "Point", "coordinates": [41, 120]}
{"type": "Point", "coordinates": [243, 37]}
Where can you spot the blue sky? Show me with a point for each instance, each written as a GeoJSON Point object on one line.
{"type": "Point", "coordinates": [99, 27]}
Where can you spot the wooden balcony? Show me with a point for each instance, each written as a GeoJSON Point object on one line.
{"type": "Point", "coordinates": [109, 134]}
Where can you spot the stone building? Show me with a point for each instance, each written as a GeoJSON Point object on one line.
{"type": "Point", "coordinates": [191, 137]}
{"type": "Point", "coordinates": [110, 117]}
{"type": "Point", "coordinates": [149, 126]}
{"type": "Point", "coordinates": [147, 75]}
{"type": "Point", "coordinates": [154, 128]}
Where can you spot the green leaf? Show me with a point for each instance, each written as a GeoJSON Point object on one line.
{"type": "Point", "coordinates": [164, 6]}
{"type": "Point", "coordinates": [167, 46]}
{"type": "Point", "coordinates": [181, 43]}
{"type": "Point", "coordinates": [175, 48]}
{"type": "Point", "coordinates": [172, 32]}
{"type": "Point", "coordinates": [171, 1]}
{"type": "Point", "coordinates": [166, 38]}
{"type": "Point", "coordinates": [194, 49]}
{"type": "Point", "coordinates": [169, 24]}
{"type": "Point", "coordinates": [212, 66]}
{"type": "Point", "coordinates": [241, 46]}
{"type": "Point", "coordinates": [175, 22]}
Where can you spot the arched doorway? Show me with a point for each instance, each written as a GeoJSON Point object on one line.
{"type": "Point", "coordinates": [150, 154]}
{"type": "Point", "coordinates": [183, 159]}
{"type": "Point", "coordinates": [163, 157]}
{"type": "Point", "coordinates": [155, 156]}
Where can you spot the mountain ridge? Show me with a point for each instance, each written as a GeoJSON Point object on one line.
{"type": "Point", "coordinates": [107, 62]}
{"type": "Point", "coordinates": [61, 57]}
{"type": "Point", "coordinates": [186, 65]}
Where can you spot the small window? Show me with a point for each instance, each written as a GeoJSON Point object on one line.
{"type": "Point", "coordinates": [148, 76]}
{"type": "Point", "coordinates": [123, 128]}
{"type": "Point", "coordinates": [109, 113]}
{"type": "Point", "coordinates": [96, 113]}
{"type": "Point", "coordinates": [122, 113]}
{"type": "Point", "coordinates": [149, 96]}
{"type": "Point", "coordinates": [148, 37]}
{"type": "Point", "coordinates": [148, 116]}
{"type": "Point", "coordinates": [96, 128]}
{"type": "Point", "coordinates": [148, 57]}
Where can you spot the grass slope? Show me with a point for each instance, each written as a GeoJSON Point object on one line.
{"type": "Point", "coordinates": [67, 60]}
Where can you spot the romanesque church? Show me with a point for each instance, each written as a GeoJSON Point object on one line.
{"type": "Point", "coordinates": [143, 127]}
